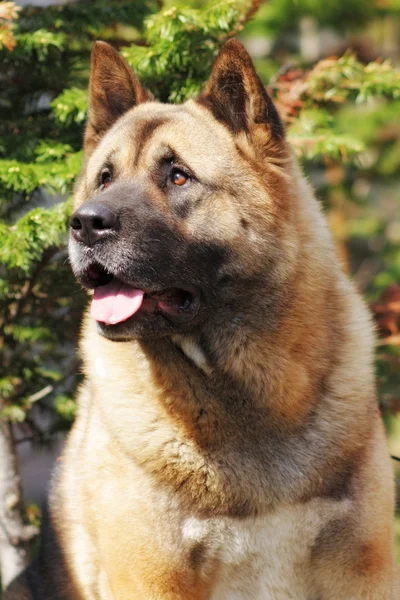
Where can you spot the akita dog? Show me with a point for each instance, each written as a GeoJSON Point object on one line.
{"type": "Point", "coordinates": [228, 444]}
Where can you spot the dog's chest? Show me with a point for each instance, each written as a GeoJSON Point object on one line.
{"type": "Point", "coordinates": [266, 558]}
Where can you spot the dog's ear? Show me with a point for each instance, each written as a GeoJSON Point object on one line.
{"type": "Point", "coordinates": [113, 90]}
{"type": "Point", "coordinates": [236, 96]}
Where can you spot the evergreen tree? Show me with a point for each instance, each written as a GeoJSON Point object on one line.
{"type": "Point", "coordinates": [44, 58]}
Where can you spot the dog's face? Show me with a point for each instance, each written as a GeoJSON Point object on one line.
{"type": "Point", "coordinates": [181, 211]}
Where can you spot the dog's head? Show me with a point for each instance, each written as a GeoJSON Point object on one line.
{"type": "Point", "coordinates": [182, 212]}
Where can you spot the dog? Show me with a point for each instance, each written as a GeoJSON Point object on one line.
{"type": "Point", "coordinates": [228, 443]}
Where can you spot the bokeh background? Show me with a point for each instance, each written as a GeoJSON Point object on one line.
{"type": "Point", "coordinates": [333, 69]}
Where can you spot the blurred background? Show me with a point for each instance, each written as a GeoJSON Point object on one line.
{"type": "Point", "coordinates": [333, 69]}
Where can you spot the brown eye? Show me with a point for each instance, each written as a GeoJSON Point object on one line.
{"type": "Point", "coordinates": [105, 179]}
{"type": "Point", "coordinates": [179, 177]}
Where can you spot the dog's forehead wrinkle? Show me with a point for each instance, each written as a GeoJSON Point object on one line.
{"type": "Point", "coordinates": [138, 138]}
{"type": "Point", "coordinates": [145, 135]}
{"type": "Point", "coordinates": [120, 134]}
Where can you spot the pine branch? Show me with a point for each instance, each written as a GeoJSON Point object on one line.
{"type": "Point", "coordinates": [246, 17]}
{"type": "Point", "coordinates": [84, 18]}
{"type": "Point", "coordinates": [54, 176]}
{"type": "Point", "coordinates": [182, 43]}
{"type": "Point", "coordinates": [308, 100]}
{"type": "Point", "coordinates": [70, 106]}
{"type": "Point", "coordinates": [39, 42]}
{"type": "Point", "coordinates": [22, 244]}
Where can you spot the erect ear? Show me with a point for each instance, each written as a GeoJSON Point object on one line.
{"type": "Point", "coordinates": [236, 95]}
{"type": "Point", "coordinates": [113, 90]}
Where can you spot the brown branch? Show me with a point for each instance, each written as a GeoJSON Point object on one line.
{"type": "Point", "coordinates": [245, 17]}
{"type": "Point", "coordinates": [14, 314]}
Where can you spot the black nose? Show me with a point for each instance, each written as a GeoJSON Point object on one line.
{"type": "Point", "coordinates": [92, 222]}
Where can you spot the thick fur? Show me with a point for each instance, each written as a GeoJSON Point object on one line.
{"type": "Point", "coordinates": [240, 454]}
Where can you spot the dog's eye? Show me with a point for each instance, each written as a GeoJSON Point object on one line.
{"type": "Point", "coordinates": [178, 177]}
{"type": "Point", "coordinates": [105, 179]}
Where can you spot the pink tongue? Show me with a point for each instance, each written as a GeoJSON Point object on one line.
{"type": "Point", "coordinates": [115, 302]}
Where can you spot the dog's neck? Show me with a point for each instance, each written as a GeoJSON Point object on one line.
{"type": "Point", "coordinates": [187, 405]}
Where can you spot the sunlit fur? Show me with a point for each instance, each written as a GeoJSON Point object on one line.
{"type": "Point", "coordinates": [243, 458]}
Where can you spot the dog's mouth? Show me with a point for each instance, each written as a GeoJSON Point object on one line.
{"type": "Point", "coordinates": [115, 301]}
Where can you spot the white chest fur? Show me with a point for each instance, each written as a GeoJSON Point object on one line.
{"type": "Point", "coordinates": [265, 558]}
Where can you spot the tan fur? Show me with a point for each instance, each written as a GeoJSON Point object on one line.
{"type": "Point", "coordinates": [245, 459]}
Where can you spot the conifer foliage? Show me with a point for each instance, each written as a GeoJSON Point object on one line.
{"type": "Point", "coordinates": [44, 58]}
